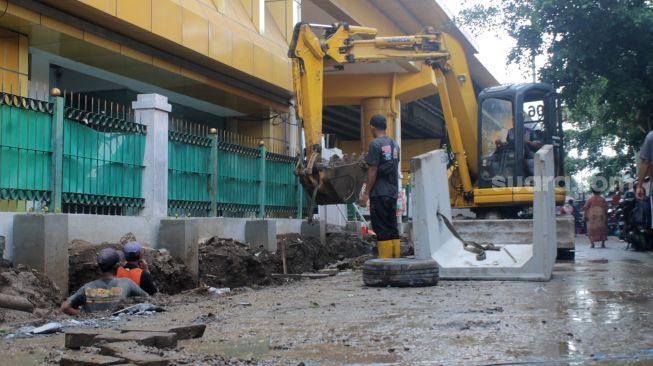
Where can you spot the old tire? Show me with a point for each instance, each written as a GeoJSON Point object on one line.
{"type": "Point", "coordinates": [400, 272]}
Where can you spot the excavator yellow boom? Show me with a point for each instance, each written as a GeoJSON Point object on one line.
{"type": "Point", "coordinates": [491, 177]}
{"type": "Point", "coordinates": [314, 45]}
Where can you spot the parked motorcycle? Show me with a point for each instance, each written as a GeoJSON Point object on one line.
{"type": "Point", "coordinates": [634, 218]}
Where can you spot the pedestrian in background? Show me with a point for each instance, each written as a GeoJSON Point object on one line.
{"type": "Point", "coordinates": [568, 208]}
{"type": "Point", "coordinates": [596, 217]}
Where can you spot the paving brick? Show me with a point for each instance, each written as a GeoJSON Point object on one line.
{"type": "Point", "coordinates": [133, 353]}
{"type": "Point", "coordinates": [88, 359]}
{"type": "Point", "coordinates": [142, 338]}
{"type": "Point", "coordinates": [152, 339]}
{"type": "Point", "coordinates": [165, 339]}
{"type": "Point", "coordinates": [77, 338]}
{"type": "Point", "coordinates": [183, 331]}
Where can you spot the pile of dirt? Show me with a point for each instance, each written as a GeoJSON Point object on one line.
{"type": "Point", "coordinates": [229, 263]}
{"type": "Point", "coordinates": [28, 283]}
{"type": "Point", "coordinates": [170, 276]}
{"type": "Point", "coordinates": [309, 255]}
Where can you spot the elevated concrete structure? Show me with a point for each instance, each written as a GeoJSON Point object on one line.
{"type": "Point", "coordinates": [518, 259]}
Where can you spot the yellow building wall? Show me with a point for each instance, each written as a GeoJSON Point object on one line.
{"type": "Point", "coordinates": [13, 63]}
{"type": "Point", "coordinates": [241, 34]}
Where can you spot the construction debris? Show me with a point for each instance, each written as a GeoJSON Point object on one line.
{"type": "Point", "coordinates": [16, 303]}
{"type": "Point", "coordinates": [141, 346]}
{"type": "Point", "coordinates": [31, 294]}
{"type": "Point", "coordinates": [184, 331]}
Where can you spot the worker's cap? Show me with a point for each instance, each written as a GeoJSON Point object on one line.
{"type": "Point", "coordinates": [132, 251]}
{"type": "Point", "coordinates": [378, 121]}
{"type": "Point", "coordinates": [107, 259]}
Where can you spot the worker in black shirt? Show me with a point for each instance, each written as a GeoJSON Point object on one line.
{"type": "Point", "coordinates": [382, 188]}
{"type": "Point", "coordinates": [136, 268]}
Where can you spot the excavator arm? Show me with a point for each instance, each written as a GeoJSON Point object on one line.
{"type": "Point", "coordinates": [314, 45]}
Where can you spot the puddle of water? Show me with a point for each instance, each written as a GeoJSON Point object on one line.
{"type": "Point", "coordinates": [602, 260]}
{"type": "Point", "coordinates": [620, 296]}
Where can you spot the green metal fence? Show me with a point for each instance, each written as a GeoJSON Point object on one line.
{"type": "Point", "coordinates": [281, 186]}
{"type": "Point", "coordinates": [25, 153]}
{"type": "Point", "coordinates": [103, 151]}
{"type": "Point", "coordinates": [239, 180]}
{"type": "Point", "coordinates": [188, 174]}
{"type": "Point", "coordinates": [76, 154]}
{"type": "Point", "coordinates": [224, 174]}
{"type": "Point", "coordinates": [73, 154]}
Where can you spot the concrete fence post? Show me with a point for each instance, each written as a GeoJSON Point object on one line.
{"type": "Point", "coordinates": [57, 150]}
{"type": "Point", "coordinates": [152, 110]}
{"type": "Point", "coordinates": [262, 181]}
{"type": "Point", "coordinates": [213, 170]}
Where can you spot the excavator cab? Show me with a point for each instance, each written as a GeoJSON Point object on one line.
{"type": "Point", "coordinates": [515, 121]}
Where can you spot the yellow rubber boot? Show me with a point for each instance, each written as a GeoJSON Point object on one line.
{"type": "Point", "coordinates": [385, 248]}
{"type": "Point", "coordinates": [396, 248]}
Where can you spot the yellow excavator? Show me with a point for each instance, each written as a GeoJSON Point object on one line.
{"type": "Point", "coordinates": [490, 171]}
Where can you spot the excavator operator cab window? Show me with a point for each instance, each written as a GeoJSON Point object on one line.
{"type": "Point", "coordinates": [516, 121]}
{"type": "Point", "coordinates": [497, 140]}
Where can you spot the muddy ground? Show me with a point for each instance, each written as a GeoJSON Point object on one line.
{"type": "Point", "coordinates": [24, 282]}
{"type": "Point", "coordinates": [595, 311]}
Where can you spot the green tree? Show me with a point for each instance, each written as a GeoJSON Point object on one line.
{"type": "Point", "coordinates": [600, 57]}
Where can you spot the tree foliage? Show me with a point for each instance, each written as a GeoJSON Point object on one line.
{"type": "Point", "coordinates": [600, 57]}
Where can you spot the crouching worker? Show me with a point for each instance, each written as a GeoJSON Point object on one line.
{"type": "Point", "coordinates": [136, 268]}
{"type": "Point", "coordinates": [105, 293]}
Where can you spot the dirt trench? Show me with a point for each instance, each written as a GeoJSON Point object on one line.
{"type": "Point", "coordinates": [170, 276]}
{"type": "Point", "coordinates": [224, 262]}
{"type": "Point", "coordinates": [230, 263]}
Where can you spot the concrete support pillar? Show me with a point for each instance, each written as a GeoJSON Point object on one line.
{"type": "Point", "coordinates": [57, 151]}
{"type": "Point", "coordinates": [293, 130]}
{"type": "Point", "coordinates": [152, 110]}
{"type": "Point", "coordinates": [39, 83]}
{"type": "Point", "coordinates": [314, 229]}
{"type": "Point", "coordinates": [369, 108]}
{"type": "Point", "coordinates": [180, 238]}
{"type": "Point", "coordinates": [262, 233]}
{"type": "Point", "coordinates": [41, 242]}
{"type": "Point", "coordinates": [544, 220]}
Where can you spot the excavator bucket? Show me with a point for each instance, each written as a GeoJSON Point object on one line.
{"type": "Point", "coordinates": [335, 183]}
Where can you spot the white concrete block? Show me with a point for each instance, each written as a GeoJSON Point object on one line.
{"type": "Point", "coordinates": [533, 260]}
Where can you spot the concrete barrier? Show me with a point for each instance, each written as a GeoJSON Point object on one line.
{"type": "Point", "coordinates": [262, 233]}
{"type": "Point", "coordinates": [518, 259]}
{"type": "Point", "coordinates": [182, 236]}
{"type": "Point", "coordinates": [314, 229]}
{"type": "Point", "coordinates": [514, 231]}
{"type": "Point", "coordinates": [41, 240]}
{"type": "Point", "coordinates": [43, 245]}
